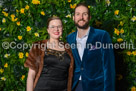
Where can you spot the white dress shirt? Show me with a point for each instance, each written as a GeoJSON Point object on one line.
{"type": "Point", "coordinates": [81, 43]}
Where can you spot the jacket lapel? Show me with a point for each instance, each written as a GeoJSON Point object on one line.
{"type": "Point", "coordinates": [75, 51]}
{"type": "Point", "coordinates": [89, 41]}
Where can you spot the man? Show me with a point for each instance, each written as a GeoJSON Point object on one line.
{"type": "Point", "coordinates": [94, 65]}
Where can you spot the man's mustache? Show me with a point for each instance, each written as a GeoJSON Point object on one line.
{"type": "Point", "coordinates": [81, 20]}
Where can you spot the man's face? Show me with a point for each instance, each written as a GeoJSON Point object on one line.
{"type": "Point", "coordinates": [81, 17]}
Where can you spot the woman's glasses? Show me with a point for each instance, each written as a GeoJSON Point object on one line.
{"type": "Point", "coordinates": [54, 27]}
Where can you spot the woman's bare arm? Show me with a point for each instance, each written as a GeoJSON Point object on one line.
{"type": "Point", "coordinates": [30, 79]}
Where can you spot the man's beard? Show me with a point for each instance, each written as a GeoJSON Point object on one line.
{"type": "Point", "coordinates": [85, 26]}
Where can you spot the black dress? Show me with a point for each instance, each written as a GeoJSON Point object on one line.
{"type": "Point", "coordinates": [54, 76]}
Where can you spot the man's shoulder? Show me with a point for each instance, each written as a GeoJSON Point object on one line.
{"type": "Point", "coordinates": [100, 31]}
{"type": "Point", "coordinates": [71, 34]}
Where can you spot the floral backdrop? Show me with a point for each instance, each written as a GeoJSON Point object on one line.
{"type": "Point", "coordinates": [23, 22]}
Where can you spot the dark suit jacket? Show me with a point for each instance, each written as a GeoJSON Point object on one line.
{"type": "Point", "coordinates": [97, 67]}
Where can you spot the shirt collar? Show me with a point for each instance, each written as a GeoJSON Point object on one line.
{"type": "Point", "coordinates": [86, 35]}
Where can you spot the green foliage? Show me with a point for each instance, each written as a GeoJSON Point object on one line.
{"type": "Point", "coordinates": [121, 27]}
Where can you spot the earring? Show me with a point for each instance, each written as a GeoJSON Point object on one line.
{"type": "Point", "coordinates": [60, 38]}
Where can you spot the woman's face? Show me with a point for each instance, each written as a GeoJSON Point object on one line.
{"type": "Point", "coordinates": [55, 29]}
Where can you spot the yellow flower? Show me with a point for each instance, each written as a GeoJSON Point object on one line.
{"type": "Point", "coordinates": [5, 14]}
{"type": "Point", "coordinates": [12, 16]}
{"type": "Point", "coordinates": [38, 2]}
{"type": "Point", "coordinates": [26, 54]}
{"type": "Point", "coordinates": [133, 18]}
{"type": "Point", "coordinates": [18, 23]}
{"type": "Point", "coordinates": [3, 20]}
{"type": "Point", "coordinates": [0, 29]}
{"type": "Point", "coordinates": [69, 1]}
{"type": "Point", "coordinates": [6, 55]}
{"type": "Point", "coordinates": [133, 88]}
{"type": "Point", "coordinates": [17, 10]}
{"type": "Point", "coordinates": [27, 7]}
{"type": "Point", "coordinates": [122, 31]}
{"type": "Point", "coordinates": [36, 34]}
{"type": "Point", "coordinates": [89, 6]}
{"type": "Point", "coordinates": [116, 31]}
{"type": "Point", "coordinates": [121, 23]}
{"type": "Point", "coordinates": [22, 10]}
{"type": "Point", "coordinates": [19, 37]}
{"type": "Point", "coordinates": [3, 78]}
{"type": "Point", "coordinates": [108, 2]}
{"type": "Point", "coordinates": [120, 77]}
{"type": "Point", "coordinates": [16, 19]}
{"type": "Point", "coordinates": [116, 12]}
{"type": "Point", "coordinates": [21, 55]}
{"type": "Point", "coordinates": [13, 19]}
{"type": "Point", "coordinates": [35, 1]}
{"type": "Point", "coordinates": [42, 13]}
{"type": "Point", "coordinates": [1, 70]}
{"type": "Point", "coordinates": [72, 31]}
{"type": "Point", "coordinates": [134, 53]}
{"type": "Point", "coordinates": [129, 53]}
{"type": "Point", "coordinates": [68, 16]}
{"type": "Point", "coordinates": [4, 9]}
{"type": "Point", "coordinates": [6, 65]}
{"type": "Point", "coordinates": [98, 23]}
{"type": "Point", "coordinates": [119, 39]}
{"type": "Point", "coordinates": [28, 28]}
{"type": "Point", "coordinates": [72, 6]}
{"type": "Point", "coordinates": [23, 76]}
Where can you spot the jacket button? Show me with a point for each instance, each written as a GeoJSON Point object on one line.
{"type": "Point", "coordinates": [82, 68]}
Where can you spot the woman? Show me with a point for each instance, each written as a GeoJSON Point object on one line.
{"type": "Point", "coordinates": [50, 69]}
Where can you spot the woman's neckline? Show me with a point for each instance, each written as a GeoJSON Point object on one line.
{"type": "Point", "coordinates": [56, 50]}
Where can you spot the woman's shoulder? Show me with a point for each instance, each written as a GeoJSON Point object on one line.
{"type": "Point", "coordinates": [40, 41]}
{"type": "Point", "coordinates": [67, 47]}
{"type": "Point", "coordinates": [38, 45]}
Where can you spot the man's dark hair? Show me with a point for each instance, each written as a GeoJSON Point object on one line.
{"type": "Point", "coordinates": [82, 4]}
